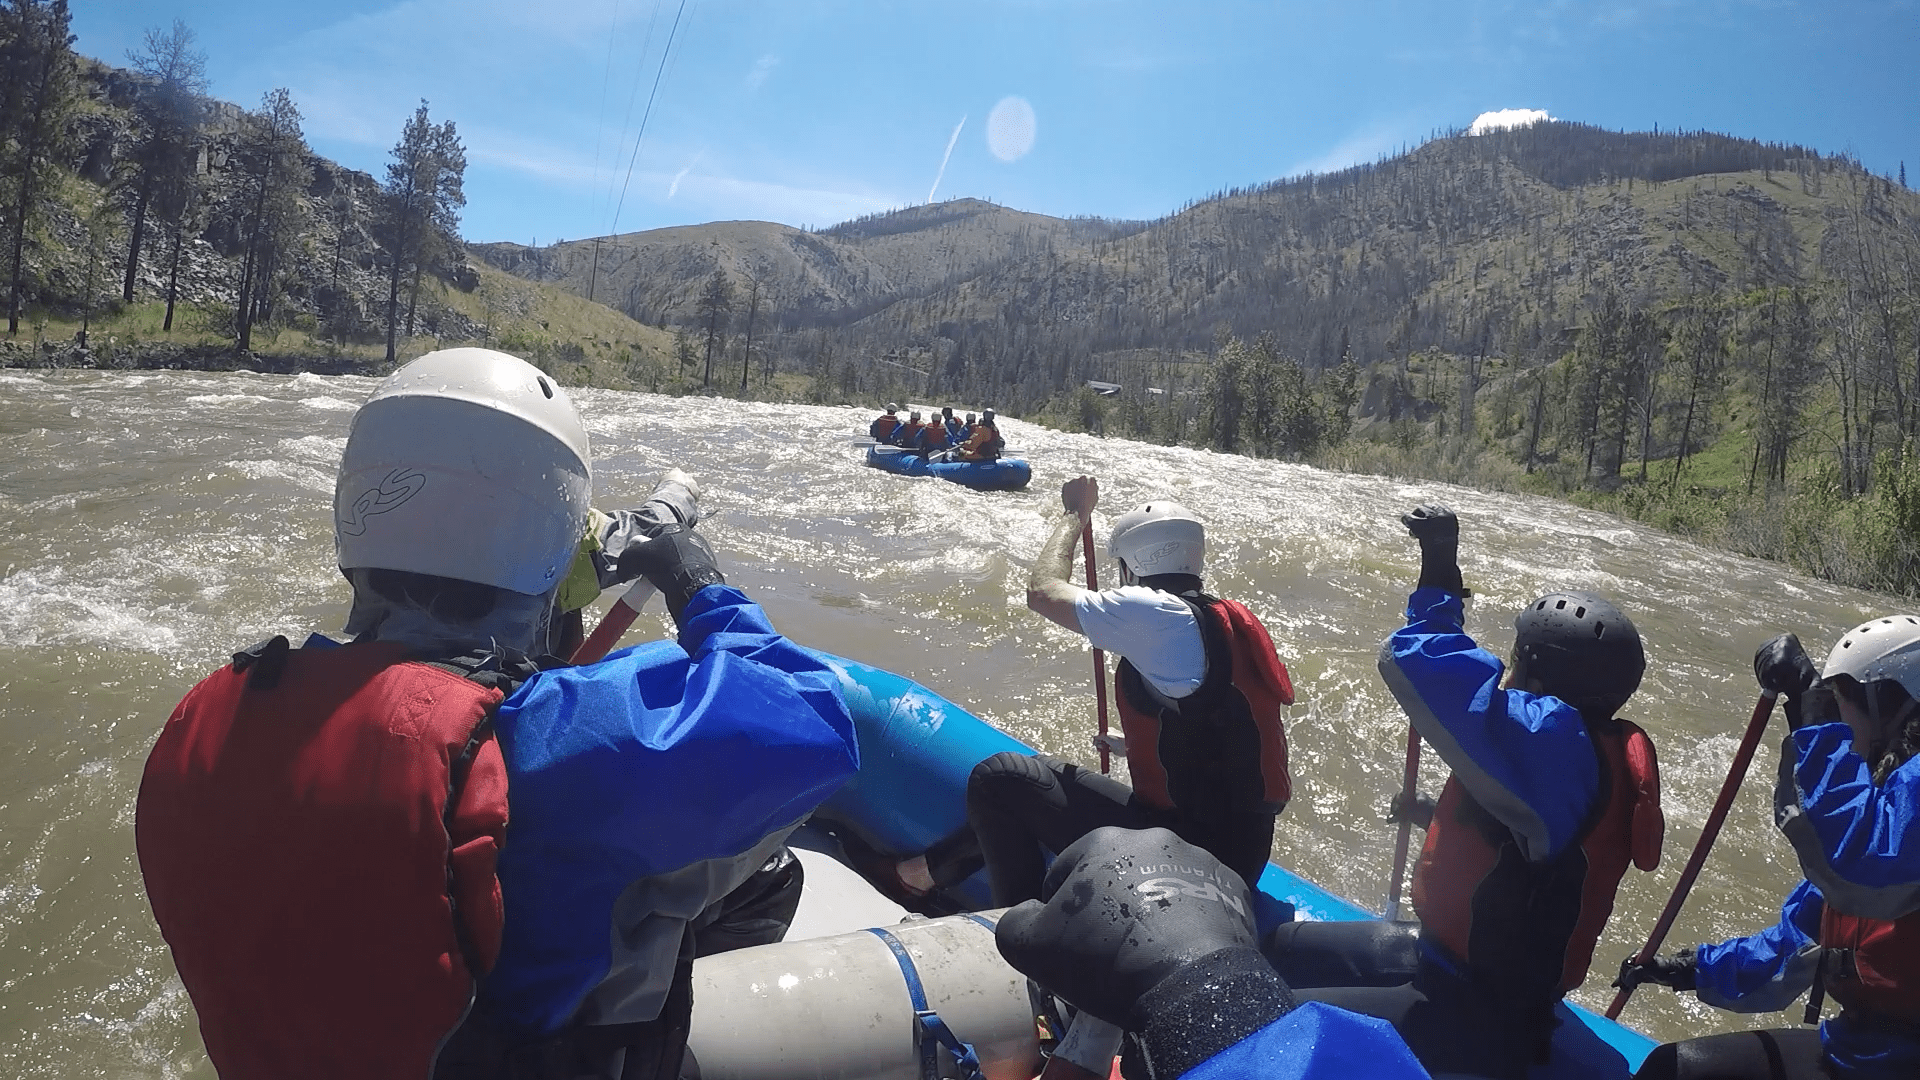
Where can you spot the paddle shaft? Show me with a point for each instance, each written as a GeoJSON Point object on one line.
{"type": "Point", "coordinates": [1409, 789]}
{"type": "Point", "coordinates": [618, 618]}
{"type": "Point", "coordinates": [1743, 757]}
{"type": "Point", "coordinates": [1099, 658]}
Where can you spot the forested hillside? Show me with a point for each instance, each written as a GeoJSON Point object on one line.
{"type": "Point", "coordinates": [1714, 333]}
{"type": "Point", "coordinates": [145, 223]}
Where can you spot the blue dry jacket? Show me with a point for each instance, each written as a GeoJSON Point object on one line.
{"type": "Point", "coordinates": [642, 789]}
{"type": "Point", "coordinates": [1315, 1042]}
{"type": "Point", "coordinates": [1526, 758]}
{"type": "Point", "coordinates": [1856, 839]}
{"type": "Point", "coordinates": [1857, 844]}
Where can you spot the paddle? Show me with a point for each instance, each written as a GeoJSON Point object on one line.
{"type": "Point", "coordinates": [1409, 790]}
{"type": "Point", "coordinates": [619, 617]}
{"type": "Point", "coordinates": [1099, 658]}
{"type": "Point", "coordinates": [1735, 774]}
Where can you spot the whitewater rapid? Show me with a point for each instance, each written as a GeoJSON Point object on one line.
{"type": "Point", "coordinates": [155, 523]}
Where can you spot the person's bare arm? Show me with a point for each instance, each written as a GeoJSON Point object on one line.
{"type": "Point", "coordinates": [1048, 590]}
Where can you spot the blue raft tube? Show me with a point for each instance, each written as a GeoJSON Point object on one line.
{"type": "Point", "coordinates": [1000, 474]}
{"type": "Point", "coordinates": [916, 750]}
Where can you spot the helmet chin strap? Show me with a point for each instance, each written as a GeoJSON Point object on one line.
{"type": "Point", "coordinates": [1127, 576]}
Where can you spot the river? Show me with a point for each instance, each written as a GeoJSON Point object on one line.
{"type": "Point", "coordinates": [151, 524]}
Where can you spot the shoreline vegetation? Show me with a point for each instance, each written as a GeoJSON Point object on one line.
{"type": "Point", "coordinates": [1810, 523]}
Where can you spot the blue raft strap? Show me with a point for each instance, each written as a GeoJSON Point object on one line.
{"type": "Point", "coordinates": [934, 1032]}
{"type": "Point", "coordinates": [981, 921]}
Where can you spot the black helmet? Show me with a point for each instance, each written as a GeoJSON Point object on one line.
{"type": "Point", "coordinates": [1581, 649]}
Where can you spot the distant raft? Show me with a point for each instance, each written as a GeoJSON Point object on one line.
{"type": "Point", "coordinates": [1002, 474]}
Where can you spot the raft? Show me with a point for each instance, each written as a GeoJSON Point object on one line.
{"type": "Point", "coordinates": [837, 998]}
{"type": "Point", "coordinates": [1002, 474]}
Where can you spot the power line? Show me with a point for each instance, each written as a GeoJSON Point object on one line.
{"type": "Point", "coordinates": [606, 77]}
{"type": "Point", "coordinates": [614, 230]}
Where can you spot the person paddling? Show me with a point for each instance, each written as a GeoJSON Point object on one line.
{"type": "Point", "coordinates": [883, 426]}
{"type": "Point", "coordinates": [323, 830]}
{"type": "Point", "coordinates": [985, 443]}
{"type": "Point", "coordinates": [1199, 689]}
{"type": "Point", "coordinates": [907, 435]}
{"type": "Point", "coordinates": [1849, 788]}
{"type": "Point", "coordinates": [1551, 798]}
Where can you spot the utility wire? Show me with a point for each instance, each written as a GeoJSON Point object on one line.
{"type": "Point", "coordinates": [633, 96]}
{"type": "Point", "coordinates": [606, 78]}
{"type": "Point", "coordinates": [642, 133]}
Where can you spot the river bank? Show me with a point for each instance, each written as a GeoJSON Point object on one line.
{"type": "Point", "coordinates": [176, 356]}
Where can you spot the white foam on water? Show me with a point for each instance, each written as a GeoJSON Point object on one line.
{"type": "Point", "coordinates": [222, 399]}
{"type": "Point", "coordinates": [304, 475]}
{"type": "Point", "coordinates": [331, 404]}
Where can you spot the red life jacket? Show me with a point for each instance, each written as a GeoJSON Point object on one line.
{"type": "Point", "coordinates": [936, 437]}
{"type": "Point", "coordinates": [1881, 977]}
{"type": "Point", "coordinates": [907, 432]}
{"type": "Point", "coordinates": [319, 851]}
{"type": "Point", "coordinates": [883, 427]}
{"type": "Point", "coordinates": [1221, 749]}
{"type": "Point", "coordinates": [1528, 930]}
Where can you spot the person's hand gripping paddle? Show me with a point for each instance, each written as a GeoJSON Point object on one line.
{"type": "Point", "coordinates": [1783, 668]}
{"type": "Point", "coordinates": [1080, 496]}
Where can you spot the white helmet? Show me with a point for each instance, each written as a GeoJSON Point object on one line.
{"type": "Point", "coordinates": [1159, 538]}
{"type": "Point", "coordinates": [467, 464]}
{"type": "Point", "coordinates": [1886, 648]}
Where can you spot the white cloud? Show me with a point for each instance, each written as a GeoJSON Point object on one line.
{"type": "Point", "coordinates": [944, 158]}
{"type": "Point", "coordinates": [1502, 119]}
{"type": "Point", "coordinates": [762, 69]}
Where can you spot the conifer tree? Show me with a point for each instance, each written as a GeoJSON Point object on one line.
{"type": "Point", "coordinates": [273, 157]}
{"type": "Point", "coordinates": [37, 96]}
{"type": "Point", "coordinates": [169, 114]}
{"type": "Point", "coordinates": [716, 303]}
{"type": "Point", "coordinates": [421, 203]}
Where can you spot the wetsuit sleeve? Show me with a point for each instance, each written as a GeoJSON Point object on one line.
{"type": "Point", "coordinates": [1526, 758]}
{"type": "Point", "coordinates": [623, 528]}
{"type": "Point", "coordinates": [1765, 972]}
{"type": "Point", "coordinates": [1857, 840]}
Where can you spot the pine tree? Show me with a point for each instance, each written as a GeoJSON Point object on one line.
{"type": "Point", "coordinates": [273, 154]}
{"type": "Point", "coordinates": [169, 114]}
{"type": "Point", "coordinates": [421, 203]}
{"type": "Point", "coordinates": [716, 303]}
{"type": "Point", "coordinates": [38, 95]}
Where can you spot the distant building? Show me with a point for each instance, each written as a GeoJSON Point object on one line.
{"type": "Point", "coordinates": [1104, 389]}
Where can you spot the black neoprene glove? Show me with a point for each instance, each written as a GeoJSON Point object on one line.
{"type": "Point", "coordinates": [1153, 935]}
{"type": "Point", "coordinates": [1439, 534]}
{"type": "Point", "coordinates": [678, 561]}
{"type": "Point", "coordinates": [1782, 666]}
{"type": "Point", "coordinates": [1419, 813]}
{"type": "Point", "coordinates": [1677, 972]}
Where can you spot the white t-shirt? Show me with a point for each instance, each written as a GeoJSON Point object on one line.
{"type": "Point", "coordinates": [1153, 629]}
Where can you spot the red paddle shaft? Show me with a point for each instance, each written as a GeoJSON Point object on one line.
{"type": "Point", "coordinates": [1738, 772]}
{"type": "Point", "coordinates": [1409, 787]}
{"type": "Point", "coordinates": [1099, 658]}
{"type": "Point", "coordinates": [619, 617]}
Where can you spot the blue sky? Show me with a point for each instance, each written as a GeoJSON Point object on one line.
{"type": "Point", "coordinates": [813, 111]}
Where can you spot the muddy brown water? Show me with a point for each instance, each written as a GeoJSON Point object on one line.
{"type": "Point", "coordinates": [151, 524]}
